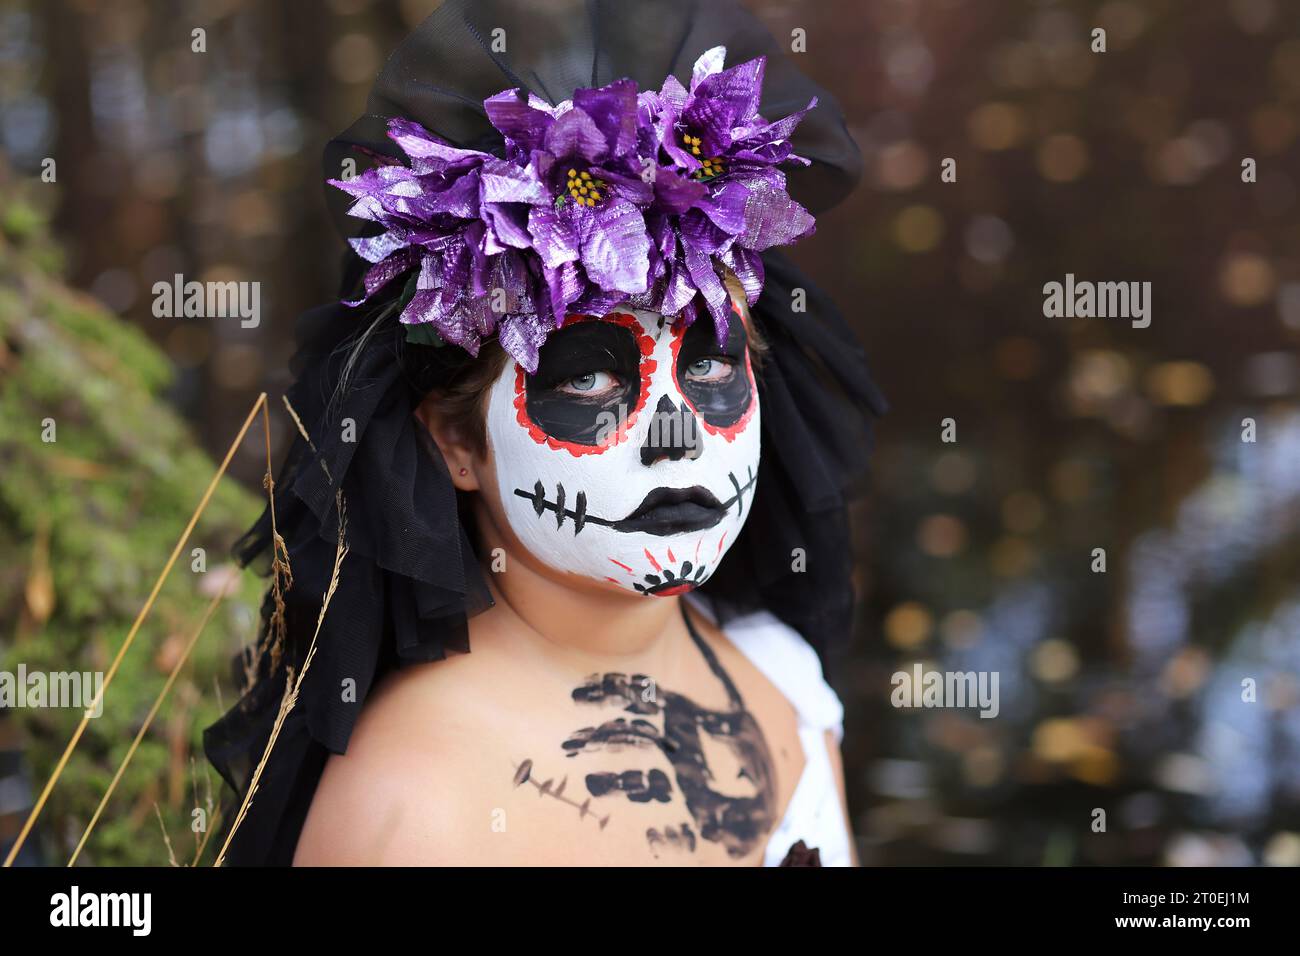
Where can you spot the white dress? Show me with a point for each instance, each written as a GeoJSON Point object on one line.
{"type": "Point", "coordinates": [814, 814]}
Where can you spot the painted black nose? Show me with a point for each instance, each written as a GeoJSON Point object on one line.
{"type": "Point", "coordinates": [674, 434]}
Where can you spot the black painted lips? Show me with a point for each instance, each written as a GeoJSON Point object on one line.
{"type": "Point", "coordinates": [666, 511]}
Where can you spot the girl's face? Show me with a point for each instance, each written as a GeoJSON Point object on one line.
{"type": "Point", "coordinates": [631, 456]}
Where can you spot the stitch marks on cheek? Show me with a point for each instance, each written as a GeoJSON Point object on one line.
{"type": "Point", "coordinates": [663, 512]}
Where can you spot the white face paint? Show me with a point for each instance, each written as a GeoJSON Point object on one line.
{"type": "Point", "coordinates": [631, 456]}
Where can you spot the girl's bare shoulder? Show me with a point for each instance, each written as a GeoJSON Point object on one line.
{"type": "Point", "coordinates": [428, 773]}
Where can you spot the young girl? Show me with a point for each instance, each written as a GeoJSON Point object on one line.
{"type": "Point", "coordinates": [587, 438]}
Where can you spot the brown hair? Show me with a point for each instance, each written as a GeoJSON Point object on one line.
{"type": "Point", "coordinates": [462, 403]}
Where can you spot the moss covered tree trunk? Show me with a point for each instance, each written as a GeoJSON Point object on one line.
{"type": "Point", "coordinates": [98, 478]}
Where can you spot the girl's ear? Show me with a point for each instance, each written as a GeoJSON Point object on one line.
{"type": "Point", "coordinates": [457, 450]}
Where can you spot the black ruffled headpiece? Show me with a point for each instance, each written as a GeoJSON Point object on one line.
{"type": "Point", "coordinates": [411, 579]}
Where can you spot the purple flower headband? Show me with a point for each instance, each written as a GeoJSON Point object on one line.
{"type": "Point", "coordinates": [616, 196]}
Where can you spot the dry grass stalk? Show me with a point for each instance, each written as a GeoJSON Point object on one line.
{"type": "Point", "coordinates": [281, 578]}
{"type": "Point", "coordinates": [171, 856]}
{"type": "Point", "coordinates": [292, 682]}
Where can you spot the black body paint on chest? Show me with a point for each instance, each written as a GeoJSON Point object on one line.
{"type": "Point", "coordinates": [738, 823]}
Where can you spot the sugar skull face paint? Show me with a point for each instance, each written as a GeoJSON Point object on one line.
{"type": "Point", "coordinates": [631, 455]}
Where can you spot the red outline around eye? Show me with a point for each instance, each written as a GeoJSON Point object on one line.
{"type": "Point", "coordinates": [647, 346]}
{"type": "Point", "coordinates": [729, 432]}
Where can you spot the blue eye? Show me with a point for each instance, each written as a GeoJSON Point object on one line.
{"type": "Point", "coordinates": [593, 383]}
{"type": "Point", "coordinates": [709, 369]}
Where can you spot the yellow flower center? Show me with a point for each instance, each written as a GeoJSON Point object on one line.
{"type": "Point", "coordinates": [709, 169]}
{"type": "Point", "coordinates": [585, 189]}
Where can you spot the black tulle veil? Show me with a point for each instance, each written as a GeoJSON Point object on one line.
{"type": "Point", "coordinates": [411, 581]}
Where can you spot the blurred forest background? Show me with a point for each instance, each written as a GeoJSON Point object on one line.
{"type": "Point", "coordinates": [1120, 690]}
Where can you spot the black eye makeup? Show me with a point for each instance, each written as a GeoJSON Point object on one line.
{"type": "Point", "coordinates": [585, 371]}
{"type": "Point", "coordinates": [714, 377]}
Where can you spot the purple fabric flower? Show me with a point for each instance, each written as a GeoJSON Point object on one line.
{"type": "Point", "coordinates": [713, 133]}
{"type": "Point", "coordinates": [586, 219]}
{"type": "Point", "coordinates": [581, 213]}
{"type": "Point", "coordinates": [454, 213]}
